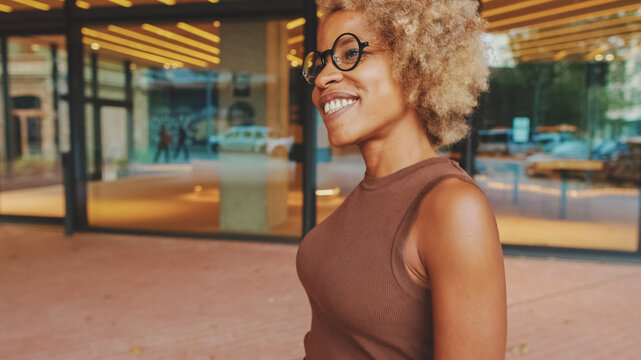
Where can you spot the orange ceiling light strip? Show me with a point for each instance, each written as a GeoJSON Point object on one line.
{"type": "Point", "coordinates": [142, 47]}
{"type": "Point", "coordinates": [573, 19]}
{"type": "Point", "coordinates": [551, 55]}
{"type": "Point", "coordinates": [5, 8]}
{"type": "Point", "coordinates": [295, 39]}
{"type": "Point", "coordinates": [570, 51]}
{"type": "Point", "coordinates": [560, 55]}
{"type": "Point", "coordinates": [165, 44]}
{"type": "Point", "coordinates": [582, 36]}
{"type": "Point", "coordinates": [295, 23]}
{"type": "Point", "coordinates": [578, 28]}
{"type": "Point", "coordinates": [563, 46]}
{"type": "Point", "coordinates": [513, 7]}
{"type": "Point", "coordinates": [131, 52]}
{"type": "Point", "coordinates": [125, 3]}
{"type": "Point", "coordinates": [294, 58]}
{"type": "Point", "coordinates": [596, 51]}
{"type": "Point", "coordinates": [544, 13]}
{"type": "Point", "coordinates": [197, 31]}
{"type": "Point", "coordinates": [34, 4]}
{"type": "Point", "coordinates": [83, 4]}
{"type": "Point", "coordinates": [173, 36]}
{"type": "Point", "coordinates": [549, 48]}
{"type": "Point", "coordinates": [168, 2]}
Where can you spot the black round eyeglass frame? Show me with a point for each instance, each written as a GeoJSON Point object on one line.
{"type": "Point", "coordinates": [311, 78]}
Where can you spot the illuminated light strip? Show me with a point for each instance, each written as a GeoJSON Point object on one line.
{"type": "Point", "coordinates": [125, 3]}
{"type": "Point", "coordinates": [570, 51]}
{"type": "Point", "coordinates": [573, 19]}
{"type": "Point", "coordinates": [200, 32]}
{"type": "Point", "coordinates": [560, 55]}
{"type": "Point", "coordinates": [513, 7]}
{"type": "Point", "coordinates": [295, 59]}
{"type": "Point", "coordinates": [82, 4]}
{"type": "Point", "coordinates": [165, 44]}
{"type": "Point", "coordinates": [555, 11]}
{"type": "Point", "coordinates": [295, 23]}
{"type": "Point", "coordinates": [545, 49]}
{"type": "Point", "coordinates": [142, 47]}
{"type": "Point", "coordinates": [578, 28]}
{"type": "Point", "coordinates": [214, 1]}
{"type": "Point", "coordinates": [34, 4]}
{"type": "Point", "coordinates": [328, 192]}
{"type": "Point", "coordinates": [295, 39]}
{"type": "Point", "coordinates": [168, 2]}
{"type": "Point", "coordinates": [135, 53]}
{"type": "Point", "coordinates": [596, 51]}
{"type": "Point", "coordinates": [582, 36]}
{"type": "Point", "coordinates": [5, 8]}
{"type": "Point", "coordinates": [170, 35]}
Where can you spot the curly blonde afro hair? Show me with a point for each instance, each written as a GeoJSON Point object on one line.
{"type": "Point", "coordinates": [437, 52]}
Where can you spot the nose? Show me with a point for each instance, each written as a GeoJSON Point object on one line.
{"type": "Point", "coordinates": [330, 74]}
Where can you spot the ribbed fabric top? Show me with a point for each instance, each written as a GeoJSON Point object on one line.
{"type": "Point", "coordinates": [364, 303]}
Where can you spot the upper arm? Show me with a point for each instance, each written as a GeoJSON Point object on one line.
{"type": "Point", "coordinates": [458, 245]}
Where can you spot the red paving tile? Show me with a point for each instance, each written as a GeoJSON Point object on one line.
{"type": "Point", "coordinates": [101, 296]}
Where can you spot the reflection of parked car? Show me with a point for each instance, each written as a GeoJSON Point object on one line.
{"type": "Point", "coordinates": [625, 165]}
{"type": "Point", "coordinates": [550, 140]}
{"type": "Point", "coordinates": [259, 139]}
{"type": "Point", "coordinates": [610, 149]}
{"type": "Point", "coordinates": [572, 149]}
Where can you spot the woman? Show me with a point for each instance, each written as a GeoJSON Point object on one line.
{"type": "Point", "coordinates": [410, 265]}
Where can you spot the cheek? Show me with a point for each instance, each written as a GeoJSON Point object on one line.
{"type": "Point", "coordinates": [315, 97]}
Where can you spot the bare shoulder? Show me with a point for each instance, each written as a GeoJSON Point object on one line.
{"type": "Point", "coordinates": [458, 244]}
{"type": "Point", "coordinates": [455, 223]}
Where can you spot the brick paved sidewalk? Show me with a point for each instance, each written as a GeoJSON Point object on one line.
{"type": "Point", "coordinates": [99, 296]}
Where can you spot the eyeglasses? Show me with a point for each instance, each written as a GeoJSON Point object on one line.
{"type": "Point", "coordinates": [345, 53]}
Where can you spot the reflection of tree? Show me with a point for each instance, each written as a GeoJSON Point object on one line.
{"type": "Point", "coordinates": [547, 93]}
{"type": "Point", "coordinates": [551, 94]}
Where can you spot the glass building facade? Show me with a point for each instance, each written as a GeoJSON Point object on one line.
{"type": "Point", "coordinates": [190, 117]}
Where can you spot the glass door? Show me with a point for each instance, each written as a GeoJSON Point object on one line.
{"type": "Point", "coordinates": [33, 132]}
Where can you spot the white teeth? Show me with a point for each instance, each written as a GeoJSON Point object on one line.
{"type": "Point", "coordinates": [337, 104]}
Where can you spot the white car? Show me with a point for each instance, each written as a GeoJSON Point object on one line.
{"type": "Point", "coordinates": [259, 139]}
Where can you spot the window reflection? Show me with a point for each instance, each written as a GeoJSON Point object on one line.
{"type": "Point", "coordinates": [557, 134]}
{"type": "Point", "coordinates": [557, 139]}
{"type": "Point", "coordinates": [205, 142]}
{"type": "Point", "coordinates": [35, 133]}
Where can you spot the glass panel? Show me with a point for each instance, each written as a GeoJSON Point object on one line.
{"type": "Point", "coordinates": [111, 77]}
{"type": "Point", "coordinates": [31, 173]}
{"type": "Point", "coordinates": [558, 136]}
{"type": "Point", "coordinates": [206, 146]}
{"type": "Point", "coordinates": [559, 133]}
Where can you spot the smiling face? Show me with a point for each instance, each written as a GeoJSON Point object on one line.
{"type": "Point", "coordinates": [362, 104]}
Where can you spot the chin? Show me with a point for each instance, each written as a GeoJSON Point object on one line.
{"type": "Point", "coordinates": [336, 140]}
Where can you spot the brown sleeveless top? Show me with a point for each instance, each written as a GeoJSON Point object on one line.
{"type": "Point", "coordinates": [364, 303]}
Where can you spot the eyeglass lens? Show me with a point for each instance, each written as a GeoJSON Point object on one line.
{"type": "Point", "coordinates": [345, 55]}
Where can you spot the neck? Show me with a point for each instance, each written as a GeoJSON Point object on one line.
{"type": "Point", "coordinates": [403, 144]}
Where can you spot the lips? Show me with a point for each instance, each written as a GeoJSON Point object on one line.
{"type": "Point", "coordinates": [333, 102]}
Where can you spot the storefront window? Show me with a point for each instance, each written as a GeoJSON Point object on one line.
{"type": "Point", "coordinates": [557, 137]}
{"type": "Point", "coordinates": [201, 139]}
{"type": "Point", "coordinates": [35, 133]}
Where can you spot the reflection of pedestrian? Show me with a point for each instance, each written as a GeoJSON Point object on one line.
{"type": "Point", "coordinates": [182, 143]}
{"type": "Point", "coordinates": [164, 139]}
